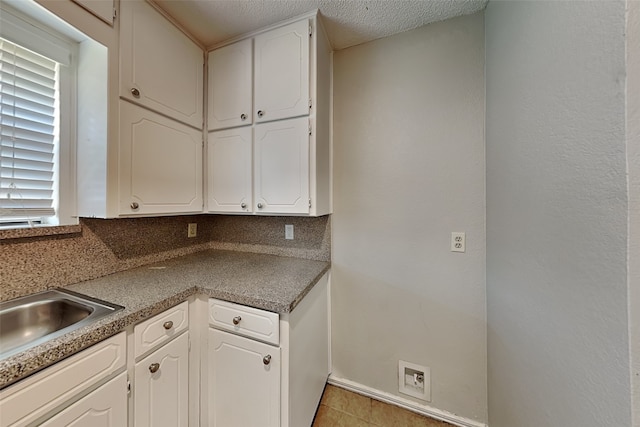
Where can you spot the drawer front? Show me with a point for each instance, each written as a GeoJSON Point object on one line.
{"type": "Point", "coordinates": [33, 397]}
{"type": "Point", "coordinates": [161, 328]}
{"type": "Point", "coordinates": [247, 321]}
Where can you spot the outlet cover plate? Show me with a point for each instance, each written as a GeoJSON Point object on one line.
{"type": "Point", "coordinates": [288, 231]}
{"type": "Point", "coordinates": [458, 241]}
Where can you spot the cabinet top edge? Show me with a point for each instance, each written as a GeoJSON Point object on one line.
{"type": "Point", "coordinates": [314, 14]}
{"type": "Point", "coordinates": [176, 24]}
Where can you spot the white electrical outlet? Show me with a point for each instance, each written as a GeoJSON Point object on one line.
{"type": "Point", "coordinates": [414, 380]}
{"type": "Point", "coordinates": [458, 242]}
{"type": "Point", "coordinates": [192, 229]}
{"type": "Point", "coordinates": [288, 231]}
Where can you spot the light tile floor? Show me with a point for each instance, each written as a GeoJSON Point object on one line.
{"type": "Point", "coordinates": [342, 408]}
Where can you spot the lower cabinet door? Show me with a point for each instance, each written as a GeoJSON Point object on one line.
{"type": "Point", "coordinates": [161, 388]}
{"type": "Point", "coordinates": [244, 382]}
{"type": "Point", "coordinates": [103, 407]}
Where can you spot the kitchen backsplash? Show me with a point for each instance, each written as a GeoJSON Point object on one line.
{"type": "Point", "coordinates": [103, 247]}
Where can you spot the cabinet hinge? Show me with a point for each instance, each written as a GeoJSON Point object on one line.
{"type": "Point", "coordinates": [310, 130]}
{"type": "Point", "coordinates": [115, 13]}
{"type": "Point", "coordinates": [128, 386]}
{"type": "Point", "coordinates": [309, 203]}
{"type": "Point", "coordinates": [310, 104]}
{"type": "Point", "coordinates": [310, 31]}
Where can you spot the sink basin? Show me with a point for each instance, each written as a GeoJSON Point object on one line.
{"type": "Point", "coordinates": [29, 321]}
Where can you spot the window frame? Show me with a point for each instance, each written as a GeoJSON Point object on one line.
{"type": "Point", "coordinates": [38, 37]}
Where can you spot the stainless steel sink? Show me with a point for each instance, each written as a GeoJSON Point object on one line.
{"type": "Point", "coordinates": [29, 321]}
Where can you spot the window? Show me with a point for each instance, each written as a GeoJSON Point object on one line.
{"type": "Point", "coordinates": [28, 103]}
{"type": "Point", "coordinates": [37, 89]}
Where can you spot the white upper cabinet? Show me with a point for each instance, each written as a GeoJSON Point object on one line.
{"type": "Point", "coordinates": [277, 72]}
{"type": "Point", "coordinates": [288, 144]}
{"type": "Point", "coordinates": [230, 86]}
{"type": "Point", "coordinates": [160, 164]}
{"type": "Point", "coordinates": [274, 155]}
{"type": "Point", "coordinates": [282, 72]}
{"type": "Point", "coordinates": [282, 166]}
{"type": "Point", "coordinates": [230, 175]}
{"type": "Point", "coordinates": [160, 67]}
{"type": "Point", "coordinates": [151, 161]}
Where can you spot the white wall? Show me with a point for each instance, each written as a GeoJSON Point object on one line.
{"type": "Point", "coordinates": [409, 170]}
{"type": "Point", "coordinates": [557, 214]}
{"type": "Point", "coordinates": [633, 162]}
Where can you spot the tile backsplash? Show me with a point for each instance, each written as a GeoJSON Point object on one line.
{"type": "Point", "coordinates": [103, 247]}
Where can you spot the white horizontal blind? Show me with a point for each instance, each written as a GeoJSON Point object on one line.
{"type": "Point", "coordinates": [28, 119]}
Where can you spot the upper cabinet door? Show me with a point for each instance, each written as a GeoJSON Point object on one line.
{"type": "Point", "coordinates": [160, 67]}
{"type": "Point", "coordinates": [230, 170]}
{"type": "Point", "coordinates": [160, 164]}
{"type": "Point", "coordinates": [231, 86]}
{"type": "Point", "coordinates": [282, 72]}
{"type": "Point", "coordinates": [282, 166]}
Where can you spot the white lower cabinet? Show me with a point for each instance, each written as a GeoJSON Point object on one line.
{"type": "Point", "coordinates": [248, 368]}
{"type": "Point", "coordinates": [245, 385]}
{"type": "Point", "coordinates": [104, 407]}
{"type": "Point", "coordinates": [161, 394]}
{"type": "Point", "coordinates": [266, 369]}
{"type": "Point", "coordinates": [34, 399]}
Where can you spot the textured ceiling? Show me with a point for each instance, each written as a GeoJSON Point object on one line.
{"type": "Point", "coordinates": [348, 22]}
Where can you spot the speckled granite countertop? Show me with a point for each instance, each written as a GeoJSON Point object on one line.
{"type": "Point", "coordinates": [268, 282]}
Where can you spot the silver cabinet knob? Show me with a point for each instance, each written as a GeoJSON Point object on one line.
{"type": "Point", "coordinates": [267, 359]}
{"type": "Point", "coordinates": [153, 368]}
{"type": "Point", "coordinates": [237, 320]}
{"type": "Point", "coordinates": [243, 205]}
{"type": "Point", "coordinates": [259, 205]}
{"type": "Point", "coordinates": [260, 113]}
{"type": "Point", "coordinates": [168, 325]}
{"type": "Point", "coordinates": [243, 117]}
{"type": "Point", "coordinates": [134, 205]}
{"type": "Point", "coordinates": [135, 92]}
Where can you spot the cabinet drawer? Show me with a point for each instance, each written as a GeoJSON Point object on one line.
{"type": "Point", "coordinates": [161, 328]}
{"type": "Point", "coordinates": [33, 397]}
{"type": "Point", "coordinates": [251, 322]}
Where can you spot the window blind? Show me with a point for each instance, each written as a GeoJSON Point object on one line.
{"type": "Point", "coordinates": [28, 132]}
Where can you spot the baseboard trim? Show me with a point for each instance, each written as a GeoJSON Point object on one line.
{"type": "Point", "coordinates": [407, 404]}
